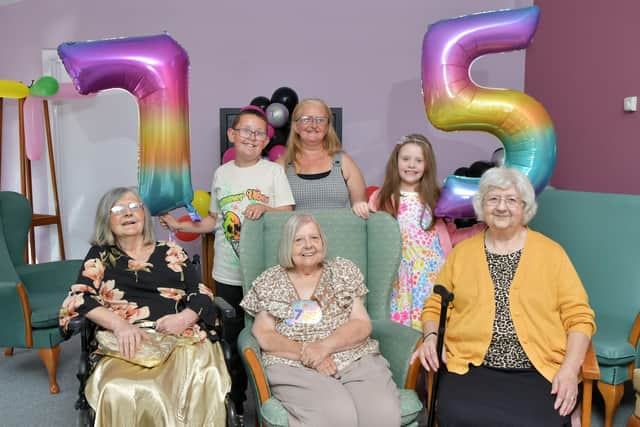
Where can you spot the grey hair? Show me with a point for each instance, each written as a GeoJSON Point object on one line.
{"type": "Point", "coordinates": [289, 230]}
{"type": "Point", "coordinates": [503, 178]}
{"type": "Point", "coordinates": [102, 234]}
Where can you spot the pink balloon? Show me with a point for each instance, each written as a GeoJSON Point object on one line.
{"type": "Point", "coordinates": [33, 127]}
{"type": "Point", "coordinates": [270, 129]}
{"type": "Point", "coordinates": [276, 151]}
{"type": "Point", "coordinates": [229, 155]}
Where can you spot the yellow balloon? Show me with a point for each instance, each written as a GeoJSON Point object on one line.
{"type": "Point", "coordinates": [201, 201]}
{"type": "Point", "coordinates": [13, 89]}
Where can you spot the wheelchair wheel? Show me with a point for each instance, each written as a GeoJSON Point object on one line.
{"type": "Point", "coordinates": [85, 418]}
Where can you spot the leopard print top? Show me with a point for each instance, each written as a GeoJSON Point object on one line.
{"type": "Point", "coordinates": [505, 350]}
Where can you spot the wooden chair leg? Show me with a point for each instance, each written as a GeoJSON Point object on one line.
{"type": "Point", "coordinates": [633, 421]}
{"type": "Point", "coordinates": [612, 394]}
{"type": "Point", "coordinates": [587, 396]}
{"type": "Point", "coordinates": [50, 358]}
{"type": "Point", "coordinates": [8, 351]}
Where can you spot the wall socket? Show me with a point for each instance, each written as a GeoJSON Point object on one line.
{"type": "Point", "coordinates": [631, 103]}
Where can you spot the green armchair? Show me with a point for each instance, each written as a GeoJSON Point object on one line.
{"type": "Point", "coordinates": [374, 245]}
{"type": "Point", "coordinates": [600, 233]}
{"type": "Point", "coordinates": [30, 295]}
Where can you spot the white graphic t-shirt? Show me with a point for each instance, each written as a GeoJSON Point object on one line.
{"type": "Point", "coordinates": [233, 189]}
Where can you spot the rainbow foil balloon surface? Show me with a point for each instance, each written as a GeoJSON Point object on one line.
{"type": "Point", "coordinates": [454, 102]}
{"type": "Point", "coordinates": [154, 69]}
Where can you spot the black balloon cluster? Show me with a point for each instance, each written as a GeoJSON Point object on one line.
{"type": "Point", "coordinates": [278, 110]}
{"type": "Point", "coordinates": [475, 170]}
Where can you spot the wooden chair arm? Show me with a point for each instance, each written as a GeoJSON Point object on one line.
{"type": "Point", "coordinates": [258, 374]}
{"type": "Point", "coordinates": [634, 336]}
{"type": "Point", "coordinates": [26, 310]}
{"type": "Point", "coordinates": [590, 369]}
{"type": "Point", "coordinates": [414, 370]}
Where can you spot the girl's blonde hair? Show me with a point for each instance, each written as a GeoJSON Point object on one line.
{"type": "Point", "coordinates": [428, 189]}
{"type": "Point", "coordinates": [331, 141]}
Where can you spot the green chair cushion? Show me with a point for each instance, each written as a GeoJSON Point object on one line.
{"type": "Point", "coordinates": [45, 309]}
{"type": "Point", "coordinates": [611, 345]}
{"type": "Point", "coordinates": [275, 415]}
{"type": "Point", "coordinates": [410, 406]}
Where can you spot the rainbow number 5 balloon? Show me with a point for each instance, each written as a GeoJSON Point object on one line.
{"type": "Point", "coordinates": [454, 102]}
{"type": "Point", "coordinates": [154, 69]}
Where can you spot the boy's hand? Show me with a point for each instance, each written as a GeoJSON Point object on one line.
{"type": "Point", "coordinates": [168, 222]}
{"type": "Point", "coordinates": [255, 211]}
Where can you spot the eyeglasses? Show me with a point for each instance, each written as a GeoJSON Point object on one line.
{"type": "Point", "coordinates": [246, 133]}
{"type": "Point", "coordinates": [307, 120]}
{"type": "Point", "coordinates": [119, 210]}
{"type": "Point", "coordinates": [510, 201]}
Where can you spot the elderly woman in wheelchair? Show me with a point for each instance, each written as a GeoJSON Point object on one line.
{"type": "Point", "coordinates": [315, 332]}
{"type": "Point", "coordinates": [156, 365]}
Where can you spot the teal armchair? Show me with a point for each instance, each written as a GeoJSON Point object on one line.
{"type": "Point", "coordinates": [375, 246]}
{"type": "Point", "coordinates": [30, 295]}
{"type": "Point", "coordinates": [600, 233]}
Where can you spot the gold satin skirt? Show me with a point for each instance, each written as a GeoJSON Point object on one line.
{"type": "Point", "coordinates": [188, 389]}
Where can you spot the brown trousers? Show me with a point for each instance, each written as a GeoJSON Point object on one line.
{"type": "Point", "coordinates": [363, 394]}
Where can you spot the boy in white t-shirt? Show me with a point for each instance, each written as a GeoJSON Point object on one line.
{"type": "Point", "coordinates": [246, 187]}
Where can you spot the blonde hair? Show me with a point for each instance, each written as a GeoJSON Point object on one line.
{"type": "Point", "coordinates": [289, 230]}
{"type": "Point", "coordinates": [428, 189]}
{"type": "Point", "coordinates": [503, 178]}
{"type": "Point", "coordinates": [331, 143]}
{"type": "Point", "coordinates": [102, 233]}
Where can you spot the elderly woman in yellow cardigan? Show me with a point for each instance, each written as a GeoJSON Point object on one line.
{"type": "Point", "coordinates": [520, 323]}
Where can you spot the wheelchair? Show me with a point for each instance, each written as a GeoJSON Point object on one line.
{"type": "Point", "coordinates": [87, 330]}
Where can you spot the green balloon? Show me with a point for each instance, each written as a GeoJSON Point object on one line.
{"type": "Point", "coordinates": [44, 86]}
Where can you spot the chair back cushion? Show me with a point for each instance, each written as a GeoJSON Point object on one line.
{"type": "Point", "coordinates": [15, 213]}
{"type": "Point", "coordinates": [600, 232]}
{"type": "Point", "coordinates": [374, 245]}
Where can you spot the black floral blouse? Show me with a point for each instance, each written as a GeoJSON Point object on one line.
{"type": "Point", "coordinates": [165, 284]}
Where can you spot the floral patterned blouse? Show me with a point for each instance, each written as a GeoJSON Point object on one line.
{"type": "Point", "coordinates": [341, 283]}
{"type": "Point", "coordinates": [165, 284]}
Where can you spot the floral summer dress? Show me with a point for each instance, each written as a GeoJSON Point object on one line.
{"type": "Point", "coordinates": [422, 258]}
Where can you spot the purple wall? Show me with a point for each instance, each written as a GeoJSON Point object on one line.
{"type": "Point", "coordinates": [362, 56]}
{"type": "Point", "coordinates": [584, 60]}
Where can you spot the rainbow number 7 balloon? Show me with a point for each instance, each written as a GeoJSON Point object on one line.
{"type": "Point", "coordinates": [153, 69]}
{"type": "Point", "coordinates": [454, 102]}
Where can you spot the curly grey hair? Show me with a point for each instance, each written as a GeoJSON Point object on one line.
{"type": "Point", "coordinates": [503, 178]}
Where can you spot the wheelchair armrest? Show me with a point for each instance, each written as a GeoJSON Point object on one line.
{"type": "Point", "coordinates": [226, 309]}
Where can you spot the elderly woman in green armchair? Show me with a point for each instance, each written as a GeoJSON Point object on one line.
{"type": "Point", "coordinates": [520, 322]}
{"type": "Point", "coordinates": [312, 325]}
{"type": "Point", "coordinates": [141, 291]}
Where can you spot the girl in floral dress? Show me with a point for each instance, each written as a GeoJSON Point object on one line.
{"type": "Point", "coordinates": [410, 193]}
